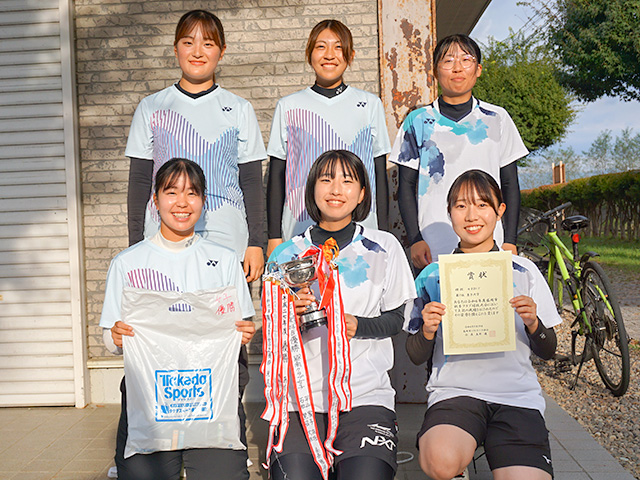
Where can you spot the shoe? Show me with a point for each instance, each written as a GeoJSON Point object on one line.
{"type": "Point", "coordinates": [464, 475]}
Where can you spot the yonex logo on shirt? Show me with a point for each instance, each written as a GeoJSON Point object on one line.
{"type": "Point", "coordinates": [226, 109]}
{"type": "Point", "coordinates": [212, 263]}
{"type": "Point", "coordinates": [361, 104]}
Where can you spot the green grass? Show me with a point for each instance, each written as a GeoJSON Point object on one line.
{"type": "Point", "coordinates": [623, 254]}
{"type": "Point", "coordinates": [614, 253]}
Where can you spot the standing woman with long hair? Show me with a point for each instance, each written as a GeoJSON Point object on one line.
{"type": "Point", "coordinates": [197, 119]}
{"type": "Point", "coordinates": [329, 115]}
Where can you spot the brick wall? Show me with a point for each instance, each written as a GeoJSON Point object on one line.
{"type": "Point", "coordinates": [124, 51]}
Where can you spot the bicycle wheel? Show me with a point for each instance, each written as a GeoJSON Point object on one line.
{"type": "Point", "coordinates": [610, 343]}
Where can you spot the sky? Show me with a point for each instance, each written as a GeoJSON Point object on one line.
{"type": "Point", "coordinates": [593, 118]}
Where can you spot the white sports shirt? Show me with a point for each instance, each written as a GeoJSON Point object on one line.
{"type": "Point", "coordinates": [507, 378]}
{"type": "Point", "coordinates": [307, 124]}
{"type": "Point", "coordinates": [202, 266]}
{"type": "Point", "coordinates": [374, 277]}
{"type": "Point", "coordinates": [218, 131]}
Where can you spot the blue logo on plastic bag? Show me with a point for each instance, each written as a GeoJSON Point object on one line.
{"type": "Point", "coordinates": [183, 395]}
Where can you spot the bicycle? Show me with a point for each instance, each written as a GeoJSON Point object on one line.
{"type": "Point", "coordinates": [598, 331]}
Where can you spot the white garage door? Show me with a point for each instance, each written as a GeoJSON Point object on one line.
{"type": "Point", "coordinates": [41, 326]}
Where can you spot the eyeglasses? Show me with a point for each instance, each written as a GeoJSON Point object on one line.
{"type": "Point", "coordinates": [467, 61]}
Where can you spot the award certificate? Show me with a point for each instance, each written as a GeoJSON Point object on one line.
{"type": "Point", "coordinates": [476, 289]}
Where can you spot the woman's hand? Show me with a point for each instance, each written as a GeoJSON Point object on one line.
{"type": "Point", "coordinates": [420, 254]}
{"type": "Point", "coordinates": [352, 325]}
{"type": "Point", "coordinates": [432, 317]}
{"type": "Point", "coordinates": [248, 329]}
{"type": "Point", "coordinates": [272, 244]}
{"type": "Point", "coordinates": [510, 247]}
{"type": "Point", "coordinates": [253, 264]}
{"type": "Point", "coordinates": [304, 299]}
{"type": "Point", "coordinates": [528, 311]}
{"type": "Point", "coordinates": [118, 330]}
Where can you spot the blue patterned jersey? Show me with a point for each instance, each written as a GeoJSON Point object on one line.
{"type": "Point", "coordinates": [441, 150]}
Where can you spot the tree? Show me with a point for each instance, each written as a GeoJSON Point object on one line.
{"type": "Point", "coordinates": [519, 76]}
{"type": "Point", "coordinates": [599, 156]}
{"type": "Point", "coordinates": [626, 151]}
{"type": "Point", "coordinates": [608, 155]}
{"type": "Point", "coordinates": [539, 169]}
{"type": "Point", "coordinates": [597, 43]}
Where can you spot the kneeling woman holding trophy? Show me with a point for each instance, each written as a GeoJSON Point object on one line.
{"type": "Point", "coordinates": [330, 403]}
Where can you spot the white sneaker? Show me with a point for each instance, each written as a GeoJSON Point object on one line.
{"type": "Point", "coordinates": [463, 476]}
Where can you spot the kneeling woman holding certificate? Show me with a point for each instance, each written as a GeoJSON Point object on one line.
{"type": "Point", "coordinates": [330, 403]}
{"type": "Point", "coordinates": [491, 398]}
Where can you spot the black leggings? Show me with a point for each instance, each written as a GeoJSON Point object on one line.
{"type": "Point", "coordinates": [300, 466]}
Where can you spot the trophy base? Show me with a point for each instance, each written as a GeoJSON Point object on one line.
{"type": "Point", "coordinates": [312, 319]}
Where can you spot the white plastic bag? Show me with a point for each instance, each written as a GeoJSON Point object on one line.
{"type": "Point", "coordinates": [181, 370]}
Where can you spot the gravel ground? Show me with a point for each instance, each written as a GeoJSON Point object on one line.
{"type": "Point", "coordinates": [613, 422]}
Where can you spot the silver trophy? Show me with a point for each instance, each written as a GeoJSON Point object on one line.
{"type": "Point", "coordinates": [301, 273]}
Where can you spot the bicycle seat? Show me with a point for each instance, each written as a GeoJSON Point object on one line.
{"type": "Point", "coordinates": [575, 222]}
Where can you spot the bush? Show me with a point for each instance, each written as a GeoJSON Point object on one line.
{"type": "Point", "coordinates": [611, 201]}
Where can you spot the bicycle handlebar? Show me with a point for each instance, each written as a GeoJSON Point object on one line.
{"type": "Point", "coordinates": [557, 209]}
{"type": "Point", "coordinates": [544, 217]}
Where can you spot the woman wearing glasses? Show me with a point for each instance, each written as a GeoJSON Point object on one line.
{"type": "Point", "coordinates": [439, 142]}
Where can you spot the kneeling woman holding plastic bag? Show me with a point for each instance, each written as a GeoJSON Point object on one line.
{"type": "Point", "coordinates": [175, 304]}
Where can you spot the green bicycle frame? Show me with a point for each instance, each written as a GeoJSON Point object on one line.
{"type": "Point", "coordinates": [558, 250]}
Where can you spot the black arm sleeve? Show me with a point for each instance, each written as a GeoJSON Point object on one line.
{"type": "Point", "coordinates": [382, 192]}
{"type": "Point", "coordinates": [543, 341]}
{"type": "Point", "coordinates": [388, 324]}
{"type": "Point", "coordinates": [419, 349]}
{"type": "Point", "coordinates": [275, 196]}
{"type": "Point", "coordinates": [511, 196]}
{"type": "Point", "coordinates": [250, 174]}
{"type": "Point", "coordinates": [140, 177]}
{"type": "Point", "coordinates": [408, 202]}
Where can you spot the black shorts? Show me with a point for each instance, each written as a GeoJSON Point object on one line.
{"type": "Point", "coordinates": [367, 431]}
{"type": "Point", "coordinates": [512, 436]}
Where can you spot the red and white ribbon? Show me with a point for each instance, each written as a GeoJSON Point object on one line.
{"type": "Point", "coordinates": [283, 357]}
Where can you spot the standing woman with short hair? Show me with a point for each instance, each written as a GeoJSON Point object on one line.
{"type": "Point", "coordinates": [439, 142]}
{"type": "Point", "coordinates": [197, 119]}
{"type": "Point", "coordinates": [329, 115]}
